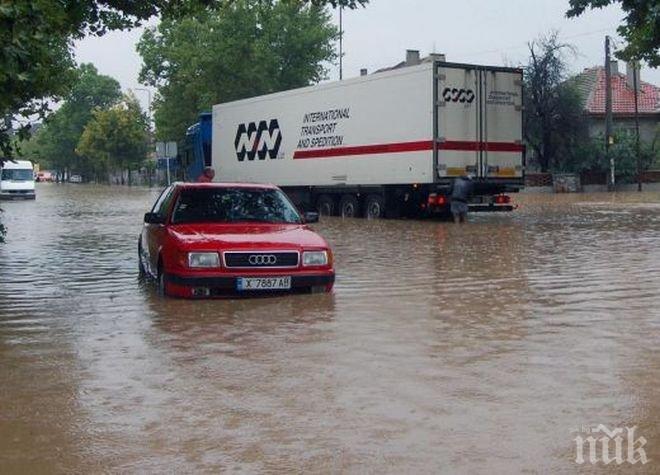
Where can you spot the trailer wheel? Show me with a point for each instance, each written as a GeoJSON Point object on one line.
{"type": "Point", "coordinates": [374, 207]}
{"type": "Point", "coordinates": [349, 206]}
{"type": "Point", "coordinates": [325, 205]}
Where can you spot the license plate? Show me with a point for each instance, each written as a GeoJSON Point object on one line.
{"type": "Point", "coordinates": [263, 283]}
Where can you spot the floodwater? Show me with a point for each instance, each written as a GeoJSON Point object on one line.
{"type": "Point", "coordinates": [480, 348]}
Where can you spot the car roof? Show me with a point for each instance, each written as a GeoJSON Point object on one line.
{"type": "Point", "coordinates": [18, 165]}
{"type": "Point", "coordinates": [192, 185]}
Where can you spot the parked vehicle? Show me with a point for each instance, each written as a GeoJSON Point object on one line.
{"type": "Point", "coordinates": [17, 180]}
{"type": "Point", "coordinates": [75, 179]}
{"type": "Point", "coordinates": [389, 143]}
{"type": "Point", "coordinates": [212, 239]}
{"type": "Point", "coordinates": [45, 176]}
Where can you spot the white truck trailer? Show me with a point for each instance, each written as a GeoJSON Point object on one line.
{"type": "Point", "coordinates": [386, 144]}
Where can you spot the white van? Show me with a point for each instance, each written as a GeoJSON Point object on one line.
{"type": "Point", "coordinates": [17, 180]}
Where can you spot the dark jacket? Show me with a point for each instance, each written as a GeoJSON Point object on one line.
{"type": "Point", "coordinates": [462, 189]}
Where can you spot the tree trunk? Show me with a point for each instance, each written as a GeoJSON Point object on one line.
{"type": "Point", "coordinates": [547, 150]}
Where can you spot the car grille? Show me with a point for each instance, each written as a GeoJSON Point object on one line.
{"type": "Point", "coordinates": [261, 259]}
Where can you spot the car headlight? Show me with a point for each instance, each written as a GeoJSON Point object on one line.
{"type": "Point", "coordinates": [203, 259]}
{"type": "Point", "coordinates": [315, 258]}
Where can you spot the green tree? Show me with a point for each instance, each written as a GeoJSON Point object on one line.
{"type": "Point", "coordinates": [554, 120]}
{"type": "Point", "coordinates": [592, 158]}
{"type": "Point", "coordinates": [54, 145]}
{"type": "Point", "coordinates": [248, 48]}
{"type": "Point", "coordinates": [36, 56]}
{"type": "Point", "coordinates": [115, 138]}
{"type": "Point", "coordinates": [640, 28]}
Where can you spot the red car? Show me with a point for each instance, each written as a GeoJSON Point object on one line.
{"type": "Point", "coordinates": [217, 239]}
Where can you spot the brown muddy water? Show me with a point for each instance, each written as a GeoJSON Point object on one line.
{"type": "Point", "coordinates": [473, 349]}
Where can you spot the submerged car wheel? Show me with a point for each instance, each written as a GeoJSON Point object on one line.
{"type": "Point", "coordinates": [141, 270]}
{"type": "Point", "coordinates": [161, 282]}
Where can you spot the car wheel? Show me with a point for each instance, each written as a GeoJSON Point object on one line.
{"type": "Point", "coordinates": [374, 207]}
{"type": "Point", "coordinates": [325, 205]}
{"type": "Point", "coordinates": [141, 270]}
{"type": "Point", "coordinates": [162, 282]}
{"type": "Point", "coordinates": [349, 206]}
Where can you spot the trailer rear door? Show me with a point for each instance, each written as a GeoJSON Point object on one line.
{"type": "Point", "coordinates": [457, 121]}
{"type": "Point", "coordinates": [478, 121]}
{"type": "Point", "coordinates": [502, 150]}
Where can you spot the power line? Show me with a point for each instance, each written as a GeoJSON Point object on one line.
{"type": "Point", "coordinates": [524, 45]}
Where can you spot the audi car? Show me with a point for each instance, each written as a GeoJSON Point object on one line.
{"type": "Point", "coordinates": [229, 239]}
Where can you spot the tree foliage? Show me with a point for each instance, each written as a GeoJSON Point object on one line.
{"type": "Point", "coordinates": [116, 137]}
{"type": "Point", "coordinates": [36, 58]}
{"type": "Point", "coordinates": [625, 155]}
{"type": "Point", "coordinates": [590, 156]}
{"type": "Point", "coordinates": [35, 64]}
{"type": "Point", "coordinates": [640, 28]}
{"type": "Point", "coordinates": [248, 48]}
{"type": "Point", "coordinates": [554, 121]}
{"type": "Point", "coordinates": [54, 145]}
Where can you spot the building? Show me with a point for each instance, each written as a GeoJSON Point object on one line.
{"type": "Point", "coordinates": [412, 59]}
{"type": "Point", "coordinates": [591, 83]}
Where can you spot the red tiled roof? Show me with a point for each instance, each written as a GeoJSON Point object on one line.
{"type": "Point", "coordinates": [623, 97]}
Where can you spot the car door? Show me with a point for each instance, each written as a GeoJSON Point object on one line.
{"type": "Point", "coordinates": [153, 234]}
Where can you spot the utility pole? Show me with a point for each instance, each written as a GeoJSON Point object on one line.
{"type": "Point", "coordinates": [341, 43]}
{"type": "Point", "coordinates": [609, 140]}
{"type": "Point", "coordinates": [637, 151]}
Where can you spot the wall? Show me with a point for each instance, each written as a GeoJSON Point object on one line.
{"type": "Point", "coordinates": [648, 126]}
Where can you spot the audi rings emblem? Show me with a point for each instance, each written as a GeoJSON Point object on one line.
{"type": "Point", "coordinates": [262, 259]}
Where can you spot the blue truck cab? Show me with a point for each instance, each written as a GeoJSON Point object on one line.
{"type": "Point", "coordinates": [196, 148]}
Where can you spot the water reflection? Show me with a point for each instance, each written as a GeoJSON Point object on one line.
{"type": "Point", "coordinates": [473, 348]}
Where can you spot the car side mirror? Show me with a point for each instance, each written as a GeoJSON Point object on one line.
{"type": "Point", "coordinates": [311, 217]}
{"type": "Point", "coordinates": [153, 218]}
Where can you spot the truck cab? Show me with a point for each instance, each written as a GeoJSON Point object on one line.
{"type": "Point", "coordinates": [17, 180]}
{"type": "Point", "coordinates": [196, 148]}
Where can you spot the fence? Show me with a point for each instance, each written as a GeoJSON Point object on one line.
{"type": "Point", "coordinates": [586, 178]}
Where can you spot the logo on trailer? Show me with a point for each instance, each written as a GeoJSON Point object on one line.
{"type": "Point", "coordinates": [452, 94]}
{"type": "Point", "coordinates": [258, 140]}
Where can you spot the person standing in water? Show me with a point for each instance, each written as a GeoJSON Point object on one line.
{"type": "Point", "coordinates": [462, 190]}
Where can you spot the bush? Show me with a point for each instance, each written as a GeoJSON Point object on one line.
{"type": "Point", "coordinates": [590, 157]}
{"type": "Point", "coordinates": [625, 157]}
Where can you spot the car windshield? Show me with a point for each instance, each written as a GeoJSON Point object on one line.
{"type": "Point", "coordinates": [230, 205]}
{"type": "Point", "coordinates": [17, 174]}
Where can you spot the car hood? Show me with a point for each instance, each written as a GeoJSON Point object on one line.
{"type": "Point", "coordinates": [246, 236]}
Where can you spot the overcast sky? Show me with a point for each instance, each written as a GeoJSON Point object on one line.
{"type": "Point", "coordinates": [474, 31]}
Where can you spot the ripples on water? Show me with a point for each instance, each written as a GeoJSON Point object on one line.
{"type": "Point", "coordinates": [473, 348]}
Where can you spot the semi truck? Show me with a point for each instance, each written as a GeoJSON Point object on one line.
{"type": "Point", "coordinates": [387, 144]}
